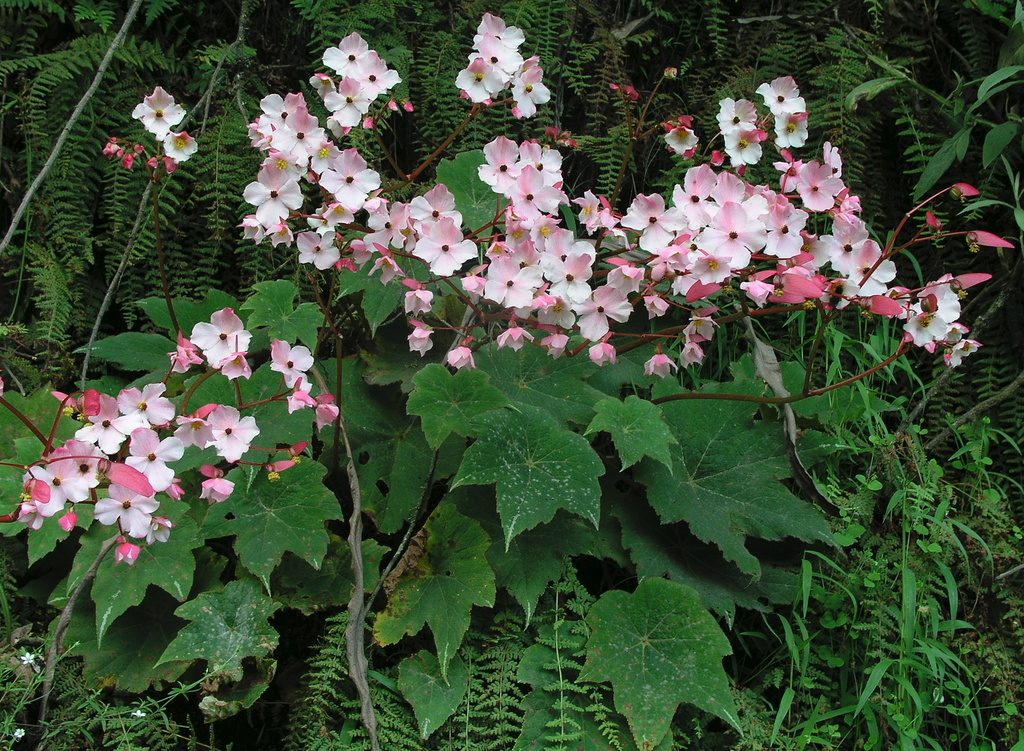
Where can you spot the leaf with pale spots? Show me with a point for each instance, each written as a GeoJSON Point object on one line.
{"type": "Point", "coordinates": [658, 647]}
{"type": "Point", "coordinates": [443, 575]}
{"type": "Point", "coordinates": [447, 403]}
{"type": "Point", "coordinates": [227, 627]}
{"type": "Point", "coordinates": [269, 518]}
{"type": "Point", "coordinates": [168, 565]}
{"type": "Point", "coordinates": [530, 377]}
{"type": "Point", "coordinates": [433, 698]}
{"type": "Point", "coordinates": [537, 466]}
{"type": "Point", "coordinates": [637, 427]}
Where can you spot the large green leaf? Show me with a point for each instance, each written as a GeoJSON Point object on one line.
{"type": "Point", "coordinates": [538, 468]}
{"type": "Point", "coordinates": [296, 584]}
{"type": "Point", "coordinates": [226, 627]}
{"type": "Point", "coordinates": [434, 699]}
{"type": "Point", "coordinates": [272, 517]}
{"type": "Point", "coordinates": [474, 198]}
{"type": "Point", "coordinates": [168, 565]}
{"type": "Point", "coordinates": [658, 647]}
{"type": "Point", "coordinates": [188, 312]}
{"type": "Point", "coordinates": [658, 549]}
{"type": "Point", "coordinates": [134, 351]}
{"type": "Point", "coordinates": [448, 403]}
{"type": "Point", "coordinates": [444, 574]}
{"type": "Point", "coordinates": [130, 656]}
{"type": "Point", "coordinates": [637, 427]}
{"type": "Point", "coordinates": [725, 481]}
{"type": "Point", "coordinates": [530, 377]}
{"type": "Point", "coordinates": [273, 306]}
{"type": "Point", "coordinates": [393, 474]}
{"type": "Point", "coordinates": [379, 300]}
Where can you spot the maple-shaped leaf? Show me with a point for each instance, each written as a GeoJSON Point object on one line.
{"type": "Point", "coordinates": [433, 698]}
{"type": "Point", "coordinates": [658, 647]}
{"type": "Point", "coordinates": [447, 403]}
{"type": "Point", "coordinates": [443, 576]}
{"type": "Point", "coordinates": [638, 429]}
{"type": "Point", "coordinates": [226, 627]}
{"type": "Point", "coordinates": [168, 565]}
{"type": "Point", "coordinates": [659, 549]}
{"type": "Point", "coordinates": [379, 300]}
{"type": "Point", "coordinates": [725, 480]}
{"type": "Point", "coordinates": [538, 468]}
{"type": "Point", "coordinates": [269, 518]}
{"type": "Point", "coordinates": [530, 377]}
{"type": "Point", "coordinates": [273, 306]}
{"type": "Point", "coordinates": [130, 656]}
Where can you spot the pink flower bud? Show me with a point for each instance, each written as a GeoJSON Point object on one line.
{"type": "Point", "coordinates": [127, 552]}
{"type": "Point", "coordinates": [68, 521]}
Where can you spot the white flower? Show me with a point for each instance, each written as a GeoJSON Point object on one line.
{"type": "Point", "coordinates": [159, 113]}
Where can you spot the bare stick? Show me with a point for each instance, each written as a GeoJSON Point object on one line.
{"type": "Point", "coordinates": [62, 626]}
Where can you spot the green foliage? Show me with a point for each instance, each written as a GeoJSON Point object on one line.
{"type": "Point", "coordinates": [491, 495]}
{"type": "Point", "coordinates": [658, 647]}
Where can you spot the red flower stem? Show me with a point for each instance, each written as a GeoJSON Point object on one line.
{"type": "Point", "coordinates": [28, 423]}
{"type": "Point", "coordinates": [192, 390]}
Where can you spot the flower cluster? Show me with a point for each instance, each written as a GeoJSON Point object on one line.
{"type": "Point", "coordinates": [158, 113]}
{"type": "Point", "coordinates": [495, 64]}
{"type": "Point", "coordinates": [715, 233]}
{"type": "Point", "coordinates": [122, 459]}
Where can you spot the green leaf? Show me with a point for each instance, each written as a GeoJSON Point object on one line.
{"type": "Point", "coordinates": [296, 584]}
{"type": "Point", "coordinates": [188, 312]}
{"type": "Point", "coordinates": [996, 140]}
{"type": "Point", "coordinates": [532, 378]}
{"type": "Point", "coordinates": [272, 517]}
{"type": "Point", "coordinates": [658, 550]}
{"type": "Point", "coordinates": [537, 466]}
{"type": "Point", "coordinates": [168, 565]}
{"type": "Point", "coordinates": [448, 403]}
{"type": "Point", "coordinates": [134, 351]}
{"type": "Point", "coordinates": [637, 427]}
{"type": "Point", "coordinates": [130, 656]}
{"type": "Point", "coordinates": [941, 162]}
{"type": "Point", "coordinates": [379, 300]}
{"type": "Point", "coordinates": [658, 647]}
{"type": "Point", "coordinates": [725, 482]}
{"type": "Point", "coordinates": [443, 577]}
{"type": "Point", "coordinates": [273, 306]}
{"type": "Point", "coordinates": [227, 627]}
{"type": "Point", "coordinates": [433, 698]}
{"type": "Point", "coordinates": [869, 90]}
{"type": "Point", "coordinates": [393, 475]}
{"type": "Point", "coordinates": [988, 86]}
{"type": "Point", "coordinates": [474, 198]}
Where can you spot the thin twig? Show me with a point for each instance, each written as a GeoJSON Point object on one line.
{"type": "Point", "coordinates": [61, 629]}
{"type": "Point", "coordinates": [115, 281]}
{"type": "Point", "coordinates": [976, 410]}
{"type": "Point", "coordinates": [75, 114]}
